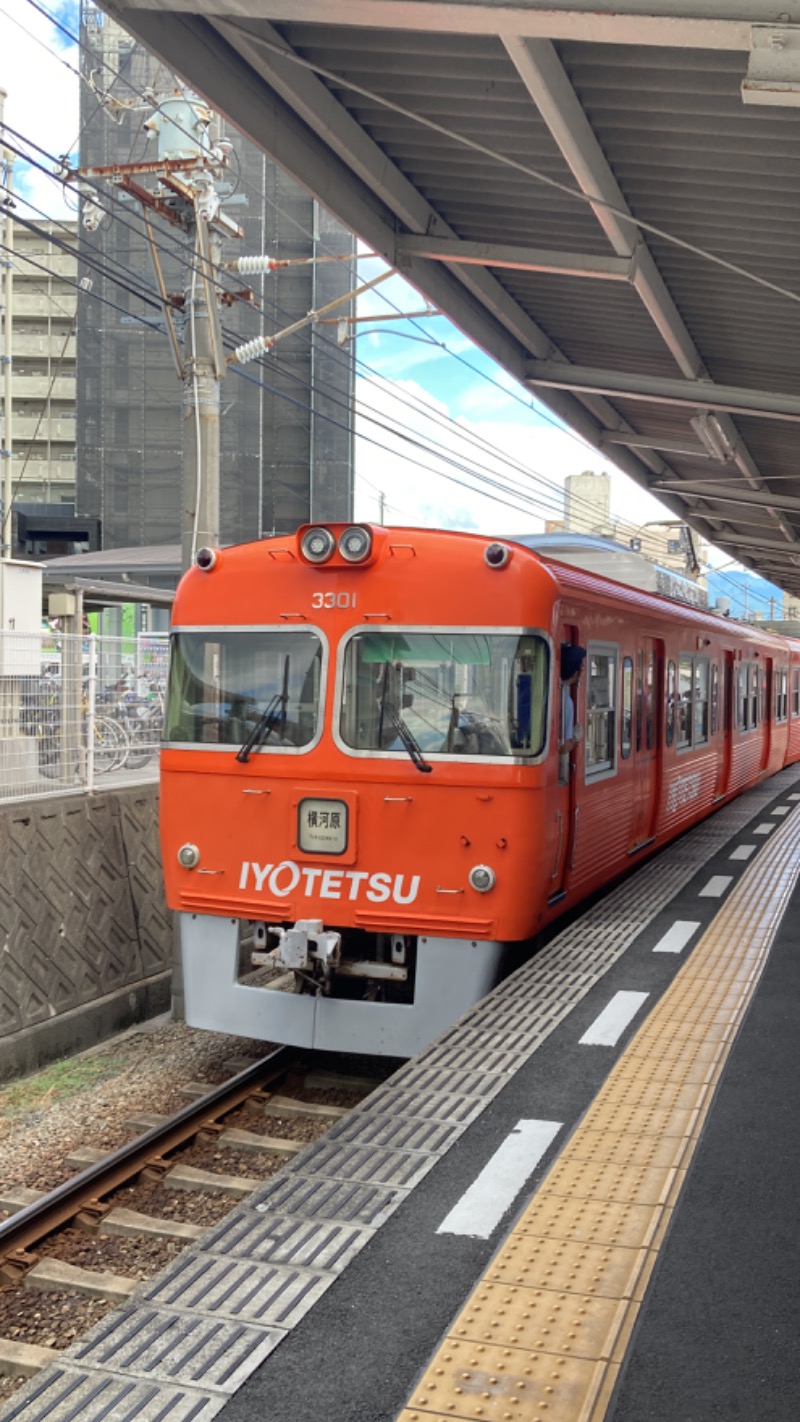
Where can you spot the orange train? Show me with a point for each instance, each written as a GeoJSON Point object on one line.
{"type": "Point", "coordinates": [363, 802]}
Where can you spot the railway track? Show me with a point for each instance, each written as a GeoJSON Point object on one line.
{"type": "Point", "coordinates": [35, 1238]}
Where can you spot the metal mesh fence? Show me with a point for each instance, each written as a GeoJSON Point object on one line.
{"type": "Point", "coordinates": [78, 712]}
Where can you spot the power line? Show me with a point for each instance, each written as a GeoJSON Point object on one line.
{"type": "Point", "coordinates": [426, 338]}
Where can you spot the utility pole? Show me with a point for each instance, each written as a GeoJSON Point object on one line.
{"type": "Point", "coordinates": [186, 196]}
{"type": "Point", "coordinates": [8, 311]}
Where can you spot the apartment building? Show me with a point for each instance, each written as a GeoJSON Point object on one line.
{"type": "Point", "coordinates": [43, 353]}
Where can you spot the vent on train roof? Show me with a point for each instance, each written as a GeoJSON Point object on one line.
{"type": "Point", "coordinates": [613, 560]}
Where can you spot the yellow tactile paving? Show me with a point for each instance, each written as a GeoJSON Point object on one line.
{"type": "Point", "coordinates": [543, 1334]}
{"type": "Point", "coordinates": [601, 1221]}
{"type": "Point", "coordinates": [602, 1270]}
{"type": "Point", "coordinates": [493, 1384]}
{"type": "Point", "coordinates": [541, 1320]}
{"type": "Point", "coordinates": [654, 1147]}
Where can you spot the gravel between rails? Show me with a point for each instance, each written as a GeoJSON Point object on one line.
{"type": "Point", "coordinates": [45, 1116]}
{"type": "Point", "coordinates": [87, 1101]}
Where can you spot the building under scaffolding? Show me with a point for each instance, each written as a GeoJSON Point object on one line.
{"type": "Point", "coordinates": [286, 429]}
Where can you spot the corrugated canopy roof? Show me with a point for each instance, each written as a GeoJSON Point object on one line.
{"type": "Point", "coordinates": [604, 197]}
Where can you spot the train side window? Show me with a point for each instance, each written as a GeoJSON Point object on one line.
{"type": "Point", "coordinates": [742, 681]}
{"type": "Point", "coordinates": [714, 698]}
{"type": "Point", "coordinates": [670, 718]}
{"type": "Point", "coordinates": [781, 694]}
{"type": "Point", "coordinates": [650, 701]}
{"type": "Point", "coordinates": [795, 691]}
{"type": "Point", "coordinates": [700, 701]}
{"type": "Point", "coordinates": [685, 680]}
{"type": "Point", "coordinates": [747, 693]}
{"type": "Point", "coordinates": [601, 711]}
{"type": "Point", "coordinates": [626, 726]}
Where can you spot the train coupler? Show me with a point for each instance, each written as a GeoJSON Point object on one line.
{"type": "Point", "coordinates": [302, 948]}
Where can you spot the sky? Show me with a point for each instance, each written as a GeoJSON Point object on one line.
{"type": "Point", "coordinates": [430, 403]}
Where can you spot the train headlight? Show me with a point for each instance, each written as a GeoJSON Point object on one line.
{"type": "Point", "coordinates": [317, 545]}
{"type": "Point", "coordinates": [189, 856]}
{"type": "Point", "coordinates": [355, 544]}
{"type": "Point", "coordinates": [482, 878]}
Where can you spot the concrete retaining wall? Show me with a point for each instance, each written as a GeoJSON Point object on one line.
{"type": "Point", "coordinates": [85, 934]}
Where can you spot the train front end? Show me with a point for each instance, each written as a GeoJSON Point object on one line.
{"type": "Point", "coordinates": [358, 726]}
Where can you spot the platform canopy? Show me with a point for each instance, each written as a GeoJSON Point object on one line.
{"type": "Point", "coordinates": [603, 196]}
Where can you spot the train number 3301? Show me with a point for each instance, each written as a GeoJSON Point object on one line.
{"type": "Point", "coordinates": [331, 599]}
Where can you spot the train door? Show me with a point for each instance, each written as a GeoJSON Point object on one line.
{"type": "Point", "coordinates": [726, 723]}
{"type": "Point", "coordinates": [765, 710]}
{"type": "Point", "coordinates": [648, 702]}
{"type": "Point", "coordinates": [568, 776]}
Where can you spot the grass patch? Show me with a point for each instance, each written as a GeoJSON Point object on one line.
{"type": "Point", "coordinates": [56, 1083]}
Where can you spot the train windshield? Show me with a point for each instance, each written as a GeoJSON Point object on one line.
{"type": "Point", "coordinates": [457, 693]}
{"type": "Point", "coordinates": [224, 686]}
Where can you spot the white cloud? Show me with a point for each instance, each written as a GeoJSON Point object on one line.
{"type": "Point", "coordinates": [491, 475]}
{"type": "Point", "coordinates": [42, 100]}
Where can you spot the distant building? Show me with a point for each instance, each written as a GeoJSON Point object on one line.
{"type": "Point", "coordinates": [587, 504]}
{"type": "Point", "coordinates": [44, 302]}
{"type": "Point", "coordinates": [587, 509]}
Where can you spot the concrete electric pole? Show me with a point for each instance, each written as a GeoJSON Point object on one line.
{"type": "Point", "coordinates": [186, 196]}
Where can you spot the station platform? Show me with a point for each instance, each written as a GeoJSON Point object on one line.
{"type": "Point", "coordinates": [579, 1203]}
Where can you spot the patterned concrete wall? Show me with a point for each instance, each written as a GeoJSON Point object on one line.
{"type": "Point", "coordinates": [85, 935]}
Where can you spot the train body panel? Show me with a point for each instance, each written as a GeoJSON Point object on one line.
{"type": "Point", "coordinates": [361, 767]}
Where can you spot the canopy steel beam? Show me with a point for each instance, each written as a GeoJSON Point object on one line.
{"type": "Point", "coordinates": [545, 78]}
{"type": "Point", "coordinates": [718, 493]}
{"type": "Point", "coordinates": [672, 446]}
{"type": "Point", "coordinates": [312, 136]}
{"type": "Point", "coordinates": [678, 24]}
{"type": "Point", "coordinates": [697, 394]}
{"type": "Point", "coordinates": [526, 259]}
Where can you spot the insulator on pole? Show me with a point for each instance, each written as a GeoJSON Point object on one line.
{"type": "Point", "coordinates": [253, 348]}
{"type": "Point", "coordinates": [251, 266]}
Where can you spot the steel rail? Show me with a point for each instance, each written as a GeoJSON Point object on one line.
{"type": "Point", "coordinates": [32, 1223]}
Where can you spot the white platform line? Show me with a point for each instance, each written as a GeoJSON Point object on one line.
{"type": "Point", "coordinates": [781, 810]}
{"type": "Point", "coordinates": [793, 797]}
{"type": "Point", "coordinates": [676, 938]}
{"type": "Point", "coordinates": [743, 851]}
{"type": "Point", "coordinates": [764, 829]}
{"type": "Point", "coordinates": [607, 1029]}
{"type": "Point", "coordinates": [716, 886]}
{"type": "Point", "coordinates": [483, 1205]}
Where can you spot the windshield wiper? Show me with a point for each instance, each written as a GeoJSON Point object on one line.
{"type": "Point", "coordinates": [405, 733]}
{"type": "Point", "coordinates": [408, 738]}
{"type": "Point", "coordinates": [274, 714]}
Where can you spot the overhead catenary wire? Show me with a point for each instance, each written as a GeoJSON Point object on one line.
{"type": "Point", "coordinates": [587, 199]}
{"type": "Point", "coordinates": [151, 296]}
{"type": "Point", "coordinates": [527, 402]}
{"type": "Point", "coordinates": [454, 355]}
{"type": "Point", "coordinates": [156, 304]}
{"type": "Point", "coordinates": [528, 500]}
{"type": "Point", "coordinates": [504, 495]}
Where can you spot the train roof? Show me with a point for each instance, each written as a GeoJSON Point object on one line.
{"type": "Point", "coordinates": [610, 559]}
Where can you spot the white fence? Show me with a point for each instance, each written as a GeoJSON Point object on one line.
{"type": "Point", "coordinates": [77, 713]}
